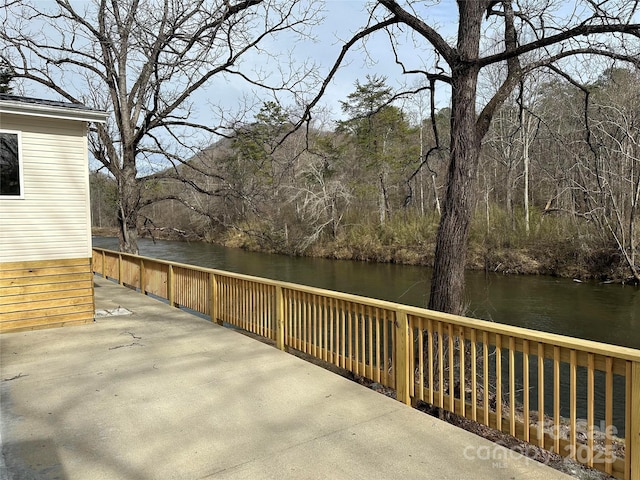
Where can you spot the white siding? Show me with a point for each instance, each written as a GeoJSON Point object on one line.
{"type": "Point", "coordinates": [52, 220]}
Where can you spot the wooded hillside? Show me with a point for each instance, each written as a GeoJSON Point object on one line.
{"type": "Point", "coordinates": [559, 182]}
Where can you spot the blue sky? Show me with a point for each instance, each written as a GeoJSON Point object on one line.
{"type": "Point", "coordinates": [342, 18]}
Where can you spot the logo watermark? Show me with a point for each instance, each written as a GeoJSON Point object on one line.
{"type": "Point", "coordinates": [501, 453]}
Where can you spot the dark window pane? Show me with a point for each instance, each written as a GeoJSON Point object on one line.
{"type": "Point", "coordinates": [9, 164]}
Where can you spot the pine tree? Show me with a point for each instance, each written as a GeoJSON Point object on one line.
{"type": "Point", "coordinates": [6, 75]}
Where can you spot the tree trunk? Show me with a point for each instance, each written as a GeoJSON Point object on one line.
{"type": "Point", "coordinates": [128, 207]}
{"type": "Point", "coordinates": [435, 194]}
{"type": "Point", "coordinates": [509, 192]}
{"type": "Point", "coordinates": [526, 188]}
{"type": "Point", "coordinates": [527, 131]}
{"type": "Point", "coordinates": [447, 282]}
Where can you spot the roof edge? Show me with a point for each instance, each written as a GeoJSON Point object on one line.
{"type": "Point", "coordinates": [43, 108]}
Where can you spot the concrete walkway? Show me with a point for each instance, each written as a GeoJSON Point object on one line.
{"type": "Point", "coordinates": [161, 394]}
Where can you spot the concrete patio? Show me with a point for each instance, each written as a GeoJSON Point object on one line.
{"type": "Point", "coordinates": [162, 394]}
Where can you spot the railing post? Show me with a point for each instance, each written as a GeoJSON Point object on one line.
{"type": "Point", "coordinates": [401, 357]}
{"type": "Point", "coordinates": [279, 320]}
{"type": "Point", "coordinates": [215, 317]}
{"type": "Point", "coordinates": [634, 411]}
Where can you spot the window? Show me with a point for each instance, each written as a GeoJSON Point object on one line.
{"type": "Point", "coordinates": [10, 165]}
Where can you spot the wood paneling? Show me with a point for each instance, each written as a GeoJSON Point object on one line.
{"type": "Point", "coordinates": [45, 294]}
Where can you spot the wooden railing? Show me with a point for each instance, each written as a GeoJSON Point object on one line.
{"type": "Point", "coordinates": [577, 398]}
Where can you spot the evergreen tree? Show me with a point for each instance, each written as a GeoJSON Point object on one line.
{"type": "Point", "coordinates": [380, 133]}
{"type": "Point", "coordinates": [6, 75]}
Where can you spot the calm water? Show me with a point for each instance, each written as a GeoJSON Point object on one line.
{"type": "Point", "coordinates": [605, 313]}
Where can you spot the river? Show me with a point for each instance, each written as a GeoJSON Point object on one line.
{"type": "Point", "coordinates": [608, 313]}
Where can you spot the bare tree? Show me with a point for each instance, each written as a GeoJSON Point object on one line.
{"type": "Point", "coordinates": [616, 128]}
{"type": "Point", "coordinates": [510, 139]}
{"type": "Point", "coordinates": [535, 35]}
{"type": "Point", "coordinates": [143, 60]}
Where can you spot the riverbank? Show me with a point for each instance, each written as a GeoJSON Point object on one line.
{"type": "Point", "coordinates": [557, 260]}
{"type": "Point", "coordinates": [555, 256]}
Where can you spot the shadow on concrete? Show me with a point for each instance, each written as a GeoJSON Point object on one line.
{"type": "Point", "coordinates": [32, 460]}
{"type": "Point", "coordinates": [163, 394]}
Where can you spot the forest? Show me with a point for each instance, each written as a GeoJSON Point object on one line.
{"type": "Point", "coordinates": [558, 183]}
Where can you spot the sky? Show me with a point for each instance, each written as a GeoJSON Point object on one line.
{"type": "Point", "coordinates": [345, 17]}
{"type": "Point", "coordinates": [341, 19]}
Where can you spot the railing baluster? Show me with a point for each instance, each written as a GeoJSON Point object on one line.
{"type": "Point", "coordinates": [608, 409]}
{"type": "Point", "coordinates": [461, 355]}
{"type": "Point", "coordinates": [314, 324]}
{"type": "Point", "coordinates": [308, 298]}
{"type": "Point", "coordinates": [350, 336]}
{"type": "Point", "coordinates": [354, 338]}
{"type": "Point", "coordinates": [440, 366]}
{"type": "Point", "coordinates": [498, 382]}
{"type": "Point", "coordinates": [556, 399]}
{"type": "Point", "coordinates": [411, 367]}
{"type": "Point", "coordinates": [143, 289]}
{"type": "Point", "coordinates": [420, 360]}
{"type": "Point", "coordinates": [452, 398]}
{"type": "Point", "coordinates": [326, 314]}
{"type": "Point", "coordinates": [485, 379]}
{"type": "Point", "coordinates": [304, 319]}
{"type": "Point", "coordinates": [343, 336]}
{"type": "Point", "coordinates": [474, 376]}
{"type": "Point", "coordinates": [377, 336]}
{"type": "Point", "coordinates": [301, 320]}
{"type": "Point", "coordinates": [313, 332]}
{"type": "Point", "coordinates": [120, 280]}
{"type": "Point", "coordinates": [171, 287]}
{"type": "Point", "coordinates": [262, 310]}
{"type": "Point", "coordinates": [370, 339]}
{"type": "Point", "coordinates": [385, 347]}
{"type": "Point", "coordinates": [296, 323]}
{"type": "Point", "coordinates": [572, 402]}
{"type": "Point", "coordinates": [590, 405]}
{"type": "Point", "coordinates": [281, 315]}
{"type": "Point", "coordinates": [541, 389]}
{"type": "Point", "coordinates": [525, 390]}
{"type": "Point", "coordinates": [332, 333]}
{"type": "Point", "coordinates": [363, 340]}
{"type": "Point", "coordinates": [431, 359]}
{"type": "Point", "coordinates": [512, 386]}
{"type": "Point", "coordinates": [215, 292]}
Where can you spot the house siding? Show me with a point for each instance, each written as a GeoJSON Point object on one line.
{"type": "Point", "coordinates": [52, 221]}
